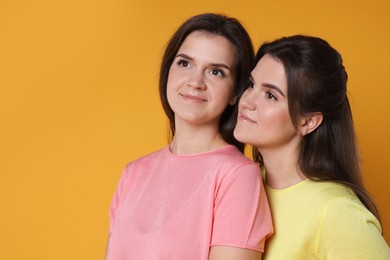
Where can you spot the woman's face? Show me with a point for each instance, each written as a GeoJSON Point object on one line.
{"type": "Point", "coordinates": [201, 79]}
{"type": "Point", "coordinates": [263, 119]}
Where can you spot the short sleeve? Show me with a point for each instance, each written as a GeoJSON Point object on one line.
{"type": "Point", "coordinates": [242, 216]}
{"type": "Point", "coordinates": [350, 231]}
{"type": "Point", "coordinates": [117, 198]}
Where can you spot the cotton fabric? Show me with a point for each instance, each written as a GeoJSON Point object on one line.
{"type": "Point", "coordinates": [169, 206]}
{"type": "Point", "coordinates": [322, 220]}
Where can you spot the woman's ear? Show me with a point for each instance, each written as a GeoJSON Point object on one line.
{"type": "Point", "coordinates": [233, 100]}
{"type": "Point", "coordinates": [310, 123]}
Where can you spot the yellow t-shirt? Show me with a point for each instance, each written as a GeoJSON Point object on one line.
{"type": "Point", "coordinates": [322, 220]}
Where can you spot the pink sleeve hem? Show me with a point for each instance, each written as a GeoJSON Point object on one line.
{"type": "Point", "coordinates": [239, 246]}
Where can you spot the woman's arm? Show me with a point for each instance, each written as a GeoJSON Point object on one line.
{"type": "Point", "coordinates": [233, 253]}
{"type": "Point", "coordinates": [242, 219]}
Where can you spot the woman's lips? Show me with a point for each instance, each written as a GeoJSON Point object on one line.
{"type": "Point", "coordinates": [193, 98]}
{"type": "Point", "coordinates": [246, 119]}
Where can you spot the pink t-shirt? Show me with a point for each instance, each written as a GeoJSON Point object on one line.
{"type": "Point", "coordinates": [169, 206]}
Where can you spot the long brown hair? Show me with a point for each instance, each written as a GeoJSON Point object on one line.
{"type": "Point", "coordinates": [317, 82]}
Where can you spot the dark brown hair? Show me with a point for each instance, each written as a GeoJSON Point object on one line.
{"type": "Point", "coordinates": [229, 28]}
{"type": "Point", "coordinates": [317, 82]}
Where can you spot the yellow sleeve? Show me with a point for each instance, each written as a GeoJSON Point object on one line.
{"type": "Point", "coordinates": [349, 231]}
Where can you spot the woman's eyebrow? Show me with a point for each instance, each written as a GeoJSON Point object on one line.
{"type": "Point", "coordinates": [272, 86]}
{"type": "Point", "coordinates": [185, 56]}
{"type": "Point", "coordinates": [219, 65]}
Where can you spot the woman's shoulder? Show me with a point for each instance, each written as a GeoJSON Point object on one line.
{"type": "Point", "coordinates": [230, 153]}
{"type": "Point", "coordinates": [153, 156]}
{"type": "Point", "coordinates": [328, 190]}
{"type": "Point", "coordinates": [342, 209]}
{"type": "Point", "coordinates": [325, 195]}
{"type": "Point", "coordinates": [345, 218]}
{"type": "Point", "coordinates": [342, 204]}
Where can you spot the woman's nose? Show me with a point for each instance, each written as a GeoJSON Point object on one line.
{"type": "Point", "coordinates": [247, 100]}
{"type": "Point", "coordinates": [197, 80]}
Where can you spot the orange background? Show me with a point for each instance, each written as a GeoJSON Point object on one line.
{"type": "Point", "coordinates": [79, 100]}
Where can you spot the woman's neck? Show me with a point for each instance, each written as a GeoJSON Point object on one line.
{"type": "Point", "coordinates": [195, 139]}
{"type": "Point", "coordinates": [195, 145]}
{"type": "Point", "coordinates": [281, 168]}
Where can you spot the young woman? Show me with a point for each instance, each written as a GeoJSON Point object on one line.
{"type": "Point", "coordinates": [297, 116]}
{"type": "Point", "coordinates": [198, 197]}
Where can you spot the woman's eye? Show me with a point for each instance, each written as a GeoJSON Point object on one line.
{"type": "Point", "coordinates": [183, 63]}
{"type": "Point", "coordinates": [217, 72]}
{"type": "Point", "coordinates": [270, 96]}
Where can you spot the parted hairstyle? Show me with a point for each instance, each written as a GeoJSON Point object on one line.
{"type": "Point", "coordinates": [317, 82]}
{"type": "Point", "coordinates": [232, 30]}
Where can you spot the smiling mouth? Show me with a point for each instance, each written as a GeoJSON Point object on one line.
{"type": "Point", "coordinates": [246, 119]}
{"type": "Point", "coordinates": [193, 98]}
